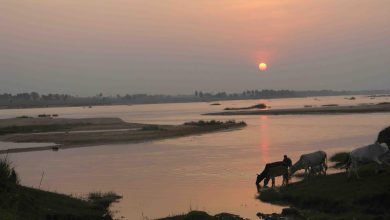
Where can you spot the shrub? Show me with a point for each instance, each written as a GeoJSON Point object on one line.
{"type": "Point", "coordinates": [213, 123]}
{"type": "Point", "coordinates": [8, 175]}
{"type": "Point", "coordinates": [24, 116]}
{"type": "Point", "coordinates": [103, 200]}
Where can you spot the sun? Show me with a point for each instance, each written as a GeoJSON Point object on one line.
{"type": "Point", "coordinates": [263, 66]}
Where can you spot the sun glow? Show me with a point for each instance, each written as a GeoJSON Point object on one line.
{"type": "Point", "coordinates": [263, 66]}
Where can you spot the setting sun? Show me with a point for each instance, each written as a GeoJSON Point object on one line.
{"type": "Point", "coordinates": [263, 66]}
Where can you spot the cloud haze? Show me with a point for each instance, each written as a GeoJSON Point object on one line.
{"type": "Point", "coordinates": [86, 47]}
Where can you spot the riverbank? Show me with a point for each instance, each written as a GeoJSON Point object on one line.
{"type": "Point", "coordinates": [335, 197]}
{"type": "Point", "coordinates": [71, 133]}
{"type": "Point", "coordinates": [369, 108]}
{"type": "Point", "coordinates": [21, 202]}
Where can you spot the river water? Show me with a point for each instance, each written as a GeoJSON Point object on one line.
{"type": "Point", "coordinates": [214, 172]}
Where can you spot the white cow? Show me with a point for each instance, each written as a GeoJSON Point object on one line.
{"type": "Point", "coordinates": [309, 161]}
{"type": "Point", "coordinates": [376, 153]}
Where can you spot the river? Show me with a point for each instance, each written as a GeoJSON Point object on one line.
{"type": "Point", "coordinates": [214, 172]}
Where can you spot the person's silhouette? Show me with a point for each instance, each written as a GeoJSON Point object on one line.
{"type": "Point", "coordinates": [287, 161]}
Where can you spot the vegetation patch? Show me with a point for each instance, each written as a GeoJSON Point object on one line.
{"type": "Point", "coordinates": [44, 116]}
{"type": "Point", "coordinates": [214, 123]}
{"type": "Point", "coordinates": [24, 116]}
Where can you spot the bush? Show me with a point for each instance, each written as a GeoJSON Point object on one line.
{"type": "Point", "coordinates": [213, 123]}
{"type": "Point", "coordinates": [8, 175]}
{"type": "Point", "coordinates": [103, 200]}
{"type": "Point", "coordinates": [23, 116]}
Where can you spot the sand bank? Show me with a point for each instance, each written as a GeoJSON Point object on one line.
{"type": "Point", "coordinates": [369, 108]}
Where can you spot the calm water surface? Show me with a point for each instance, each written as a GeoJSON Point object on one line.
{"type": "Point", "coordinates": [213, 172]}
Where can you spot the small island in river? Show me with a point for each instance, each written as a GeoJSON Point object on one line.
{"type": "Point", "coordinates": [325, 109]}
{"type": "Point", "coordinates": [70, 133]}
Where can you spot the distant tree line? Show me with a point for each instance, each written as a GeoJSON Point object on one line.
{"type": "Point", "coordinates": [34, 99]}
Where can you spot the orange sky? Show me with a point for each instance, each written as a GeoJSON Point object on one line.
{"type": "Point", "coordinates": [209, 45]}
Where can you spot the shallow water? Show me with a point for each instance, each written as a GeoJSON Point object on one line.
{"type": "Point", "coordinates": [213, 172]}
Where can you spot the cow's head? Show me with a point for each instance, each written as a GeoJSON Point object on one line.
{"type": "Point", "coordinates": [380, 149]}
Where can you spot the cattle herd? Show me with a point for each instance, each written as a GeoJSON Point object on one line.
{"type": "Point", "coordinates": [316, 163]}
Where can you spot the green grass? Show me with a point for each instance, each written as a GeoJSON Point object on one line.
{"type": "Point", "coordinates": [336, 197]}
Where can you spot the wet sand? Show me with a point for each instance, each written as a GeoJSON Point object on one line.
{"type": "Point", "coordinates": [369, 108]}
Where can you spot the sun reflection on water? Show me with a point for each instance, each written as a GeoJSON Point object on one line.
{"type": "Point", "coordinates": [264, 139]}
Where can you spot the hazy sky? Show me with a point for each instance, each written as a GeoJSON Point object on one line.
{"type": "Point", "coordinates": [173, 46]}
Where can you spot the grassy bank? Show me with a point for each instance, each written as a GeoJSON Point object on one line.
{"type": "Point", "coordinates": [20, 202]}
{"type": "Point", "coordinates": [335, 197]}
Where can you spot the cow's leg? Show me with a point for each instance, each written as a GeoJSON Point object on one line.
{"type": "Point", "coordinates": [355, 169]}
{"type": "Point", "coordinates": [266, 180]}
{"type": "Point", "coordinates": [273, 182]}
{"type": "Point", "coordinates": [325, 168]}
{"type": "Point", "coordinates": [308, 171]}
{"type": "Point", "coordinates": [285, 179]}
{"type": "Point", "coordinates": [311, 171]}
{"type": "Point", "coordinates": [379, 167]}
{"type": "Point", "coordinates": [258, 180]}
{"type": "Point", "coordinates": [348, 171]}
